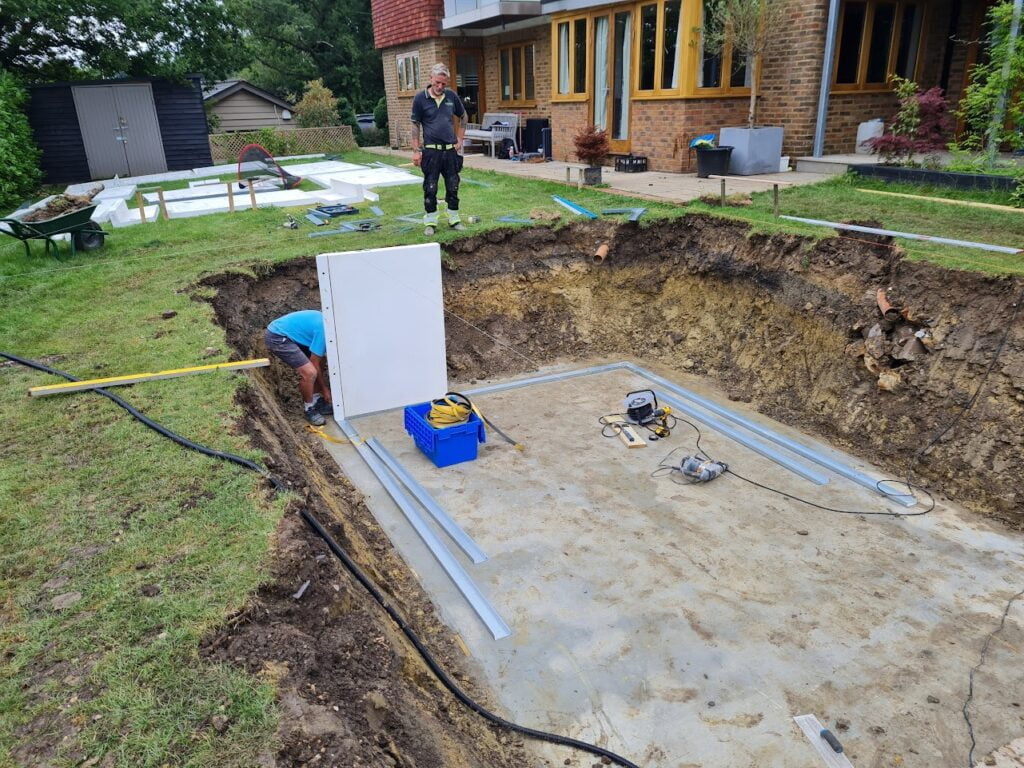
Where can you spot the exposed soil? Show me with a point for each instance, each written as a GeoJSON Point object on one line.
{"type": "Point", "coordinates": [60, 205]}
{"type": "Point", "coordinates": [791, 326]}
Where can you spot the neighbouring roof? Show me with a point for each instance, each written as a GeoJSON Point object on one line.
{"type": "Point", "coordinates": [225, 88]}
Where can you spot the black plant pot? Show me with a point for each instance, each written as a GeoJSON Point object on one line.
{"type": "Point", "coordinates": [592, 175]}
{"type": "Point", "coordinates": [712, 161]}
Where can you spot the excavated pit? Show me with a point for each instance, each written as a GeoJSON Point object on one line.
{"type": "Point", "coordinates": [789, 326]}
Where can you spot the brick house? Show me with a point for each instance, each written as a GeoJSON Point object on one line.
{"type": "Point", "coordinates": [638, 69]}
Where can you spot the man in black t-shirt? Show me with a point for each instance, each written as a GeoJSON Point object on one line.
{"type": "Point", "coordinates": [438, 151]}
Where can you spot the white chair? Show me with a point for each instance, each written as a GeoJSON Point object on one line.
{"type": "Point", "coordinates": [496, 127]}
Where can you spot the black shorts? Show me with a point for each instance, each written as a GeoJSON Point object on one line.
{"type": "Point", "coordinates": [287, 350]}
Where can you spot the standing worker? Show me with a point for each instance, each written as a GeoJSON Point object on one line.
{"type": "Point", "coordinates": [298, 340]}
{"type": "Point", "coordinates": [439, 153]}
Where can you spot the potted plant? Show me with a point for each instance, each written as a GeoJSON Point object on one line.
{"type": "Point", "coordinates": [711, 160]}
{"type": "Point", "coordinates": [592, 147]}
{"type": "Point", "coordinates": [751, 28]}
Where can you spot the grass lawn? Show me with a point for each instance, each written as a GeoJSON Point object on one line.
{"type": "Point", "coordinates": [838, 199]}
{"type": "Point", "coordinates": [119, 550]}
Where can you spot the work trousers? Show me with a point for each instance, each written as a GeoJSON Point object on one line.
{"type": "Point", "coordinates": [436, 163]}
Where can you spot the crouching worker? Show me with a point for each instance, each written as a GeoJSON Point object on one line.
{"type": "Point", "coordinates": [298, 340]}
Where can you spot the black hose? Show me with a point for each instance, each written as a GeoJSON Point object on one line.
{"type": "Point", "coordinates": [354, 569]}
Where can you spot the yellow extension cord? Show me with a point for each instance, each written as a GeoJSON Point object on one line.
{"type": "Point", "coordinates": [454, 409]}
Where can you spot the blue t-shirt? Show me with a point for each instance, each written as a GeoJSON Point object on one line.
{"type": "Point", "coordinates": [305, 328]}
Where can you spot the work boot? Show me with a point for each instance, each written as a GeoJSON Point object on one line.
{"type": "Point", "coordinates": [428, 230]}
{"type": "Point", "coordinates": [313, 416]}
{"type": "Point", "coordinates": [458, 226]}
{"type": "Point", "coordinates": [323, 407]}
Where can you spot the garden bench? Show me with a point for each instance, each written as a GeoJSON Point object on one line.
{"type": "Point", "coordinates": [496, 127]}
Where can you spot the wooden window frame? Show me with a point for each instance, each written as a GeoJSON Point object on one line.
{"type": "Point", "coordinates": [571, 96]}
{"type": "Point", "coordinates": [399, 62]}
{"type": "Point", "coordinates": [861, 86]}
{"type": "Point", "coordinates": [688, 56]}
{"type": "Point", "coordinates": [523, 102]}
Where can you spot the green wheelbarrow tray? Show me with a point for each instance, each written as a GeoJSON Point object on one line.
{"type": "Point", "coordinates": [86, 235]}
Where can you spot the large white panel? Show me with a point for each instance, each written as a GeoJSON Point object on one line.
{"type": "Point", "coordinates": [384, 316]}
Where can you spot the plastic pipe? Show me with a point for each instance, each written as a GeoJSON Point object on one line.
{"type": "Point", "coordinates": [601, 253]}
{"type": "Point", "coordinates": [459, 536]}
{"type": "Point", "coordinates": [481, 606]}
{"type": "Point", "coordinates": [905, 235]}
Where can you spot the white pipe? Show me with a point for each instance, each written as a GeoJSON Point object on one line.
{"type": "Point", "coordinates": [905, 235]}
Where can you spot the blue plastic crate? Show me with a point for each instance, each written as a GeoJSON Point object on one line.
{"type": "Point", "coordinates": [447, 445]}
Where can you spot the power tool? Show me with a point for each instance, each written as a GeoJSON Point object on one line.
{"type": "Point", "coordinates": [642, 408]}
{"type": "Point", "coordinates": [702, 470]}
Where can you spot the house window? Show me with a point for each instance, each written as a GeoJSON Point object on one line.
{"type": "Point", "coordinates": [570, 44]}
{"type": "Point", "coordinates": [408, 72]}
{"type": "Point", "coordinates": [661, 46]}
{"type": "Point", "coordinates": [517, 78]}
{"type": "Point", "coordinates": [713, 64]}
{"type": "Point", "coordinates": [877, 39]}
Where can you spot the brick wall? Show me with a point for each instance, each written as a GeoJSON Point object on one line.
{"type": "Point", "coordinates": [541, 39]}
{"type": "Point", "coordinates": [431, 51]}
{"type": "Point", "coordinates": [402, 21]}
{"type": "Point", "coordinates": [791, 77]}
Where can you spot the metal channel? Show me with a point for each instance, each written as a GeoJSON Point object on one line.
{"type": "Point", "coordinates": [459, 536]}
{"type": "Point", "coordinates": [501, 387]}
{"type": "Point", "coordinates": [497, 626]}
{"type": "Point", "coordinates": [749, 441]}
{"type": "Point", "coordinates": [907, 500]}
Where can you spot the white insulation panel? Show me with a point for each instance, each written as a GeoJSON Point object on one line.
{"type": "Point", "coordinates": [384, 317]}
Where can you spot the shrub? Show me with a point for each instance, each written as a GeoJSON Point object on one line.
{"type": "Point", "coordinates": [592, 145]}
{"type": "Point", "coordinates": [919, 127]}
{"type": "Point", "coordinates": [21, 157]}
{"type": "Point", "coordinates": [380, 115]}
{"type": "Point", "coordinates": [318, 107]}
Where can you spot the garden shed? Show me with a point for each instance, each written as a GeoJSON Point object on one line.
{"type": "Point", "coordinates": [126, 127]}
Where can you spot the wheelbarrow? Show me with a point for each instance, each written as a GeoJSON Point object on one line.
{"type": "Point", "coordinates": [86, 235]}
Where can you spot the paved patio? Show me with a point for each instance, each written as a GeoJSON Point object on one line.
{"type": "Point", "coordinates": [652, 185]}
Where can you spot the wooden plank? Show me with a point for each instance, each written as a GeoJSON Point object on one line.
{"type": "Point", "coordinates": [117, 381]}
{"type": "Point", "coordinates": [971, 203]}
{"type": "Point", "coordinates": [629, 437]}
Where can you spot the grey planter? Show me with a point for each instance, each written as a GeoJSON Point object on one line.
{"type": "Point", "coordinates": [592, 175]}
{"type": "Point", "coordinates": [755, 150]}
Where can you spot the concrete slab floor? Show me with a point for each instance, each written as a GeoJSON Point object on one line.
{"type": "Point", "coordinates": [685, 625]}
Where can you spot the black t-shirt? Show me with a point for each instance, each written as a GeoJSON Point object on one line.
{"type": "Point", "coordinates": [436, 119]}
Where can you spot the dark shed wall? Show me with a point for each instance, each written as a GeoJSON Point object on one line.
{"type": "Point", "coordinates": [179, 108]}
{"type": "Point", "coordinates": [54, 121]}
{"type": "Point", "coordinates": [51, 113]}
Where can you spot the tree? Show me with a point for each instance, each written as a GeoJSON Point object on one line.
{"type": "Point", "coordinates": [56, 40]}
{"type": "Point", "coordinates": [291, 42]}
{"type": "Point", "coordinates": [751, 28]}
{"type": "Point", "coordinates": [21, 170]}
{"type": "Point", "coordinates": [318, 107]}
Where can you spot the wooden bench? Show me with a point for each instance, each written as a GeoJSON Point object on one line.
{"type": "Point", "coordinates": [496, 127]}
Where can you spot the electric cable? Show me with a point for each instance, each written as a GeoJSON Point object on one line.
{"type": "Point", "coordinates": [672, 470]}
{"type": "Point", "coordinates": [353, 568]}
{"type": "Point", "coordinates": [455, 408]}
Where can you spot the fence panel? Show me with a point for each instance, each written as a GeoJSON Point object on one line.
{"type": "Point", "coordinates": [300, 141]}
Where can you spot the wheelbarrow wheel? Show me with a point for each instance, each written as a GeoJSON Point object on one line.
{"type": "Point", "coordinates": [89, 239]}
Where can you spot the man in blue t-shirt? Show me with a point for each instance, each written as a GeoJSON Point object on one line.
{"type": "Point", "coordinates": [439, 151]}
{"type": "Point", "coordinates": [298, 339]}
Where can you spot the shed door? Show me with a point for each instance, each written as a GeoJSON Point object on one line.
{"type": "Point", "coordinates": [120, 130]}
